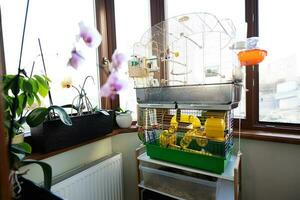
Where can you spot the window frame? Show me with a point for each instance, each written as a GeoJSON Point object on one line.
{"type": "Point", "coordinates": [157, 14]}
{"type": "Point", "coordinates": [4, 172]}
{"type": "Point", "coordinates": [105, 19]}
{"type": "Point", "coordinates": [251, 121]}
{"type": "Point", "coordinates": [252, 83]}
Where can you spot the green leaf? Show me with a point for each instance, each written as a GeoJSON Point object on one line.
{"type": "Point", "coordinates": [7, 82]}
{"type": "Point", "coordinates": [26, 86]}
{"type": "Point", "coordinates": [15, 87]}
{"type": "Point", "coordinates": [63, 115]}
{"type": "Point", "coordinates": [23, 148]}
{"type": "Point", "coordinates": [37, 116]}
{"type": "Point", "coordinates": [24, 103]}
{"type": "Point", "coordinates": [42, 91]}
{"type": "Point", "coordinates": [7, 78]}
{"type": "Point", "coordinates": [22, 98]}
{"type": "Point", "coordinates": [19, 107]}
{"type": "Point", "coordinates": [30, 99]}
{"type": "Point", "coordinates": [43, 86]}
{"type": "Point", "coordinates": [8, 101]}
{"type": "Point", "coordinates": [42, 81]}
{"type": "Point", "coordinates": [47, 79]}
{"type": "Point", "coordinates": [47, 170]}
{"type": "Point", "coordinates": [21, 82]}
{"type": "Point", "coordinates": [15, 107]}
{"type": "Point", "coordinates": [34, 84]}
{"type": "Point", "coordinates": [37, 98]}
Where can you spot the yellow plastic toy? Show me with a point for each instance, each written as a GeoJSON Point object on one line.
{"type": "Point", "coordinates": [189, 135]}
{"type": "Point", "coordinates": [168, 137]}
{"type": "Point", "coordinates": [186, 119]}
{"type": "Point", "coordinates": [214, 128]}
{"type": "Point", "coordinates": [187, 138]}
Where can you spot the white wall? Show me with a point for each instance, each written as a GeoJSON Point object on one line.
{"type": "Point", "coordinates": [123, 143]}
{"type": "Point", "coordinates": [74, 158]}
{"type": "Point", "coordinates": [270, 170]}
{"type": "Point", "coordinates": [126, 144]}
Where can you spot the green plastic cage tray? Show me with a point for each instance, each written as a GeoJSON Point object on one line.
{"type": "Point", "coordinates": [211, 163]}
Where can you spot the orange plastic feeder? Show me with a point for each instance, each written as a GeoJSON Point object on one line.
{"type": "Point", "coordinates": [251, 57]}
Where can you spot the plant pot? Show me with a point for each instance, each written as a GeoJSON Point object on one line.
{"type": "Point", "coordinates": [53, 134]}
{"type": "Point", "coordinates": [124, 120]}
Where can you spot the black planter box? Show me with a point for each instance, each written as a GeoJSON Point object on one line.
{"type": "Point", "coordinates": [53, 134]}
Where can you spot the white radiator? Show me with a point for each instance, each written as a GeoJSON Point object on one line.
{"type": "Point", "coordinates": [102, 181]}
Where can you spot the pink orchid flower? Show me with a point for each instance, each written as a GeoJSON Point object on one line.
{"type": "Point", "coordinates": [76, 59]}
{"type": "Point", "coordinates": [117, 60]}
{"type": "Point", "coordinates": [113, 86]}
{"type": "Point", "coordinates": [90, 36]}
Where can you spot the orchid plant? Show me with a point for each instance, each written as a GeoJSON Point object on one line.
{"type": "Point", "coordinates": [92, 39]}
{"type": "Point", "coordinates": [21, 91]}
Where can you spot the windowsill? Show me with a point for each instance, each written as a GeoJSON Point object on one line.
{"type": "Point", "coordinates": [247, 134]}
{"type": "Point", "coordinates": [269, 136]}
{"type": "Point", "coordinates": [40, 156]}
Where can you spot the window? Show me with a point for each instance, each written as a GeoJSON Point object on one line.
{"type": "Point", "coordinates": [273, 100]}
{"type": "Point", "coordinates": [55, 22]}
{"type": "Point", "coordinates": [232, 9]}
{"type": "Point", "coordinates": [132, 21]}
{"type": "Point", "coordinates": [279, 74]}
{"type": "Point", "coordinates": [273, 88]}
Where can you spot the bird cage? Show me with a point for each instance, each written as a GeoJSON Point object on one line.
{"type": "Point", "coordinates": [190, 54]}
{"type": "Point", "coordinates": [183, 74]}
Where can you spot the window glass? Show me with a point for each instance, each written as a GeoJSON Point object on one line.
{"type": "Point", "coordinates": [230, 9]}
{"type": "Point", "coordinates": [55, 22]}
{"type": "Point", "coordinates": [132, 21]}
{"type": "Point", "coordinates": [279, 74]}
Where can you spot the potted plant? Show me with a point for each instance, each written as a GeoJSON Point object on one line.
{"type": "Point", "coordinates": [123, 118]}
{"type": "Point", "coordinates": [88, 123]}
{"type": "Point", "coordinates": [20, 92]}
